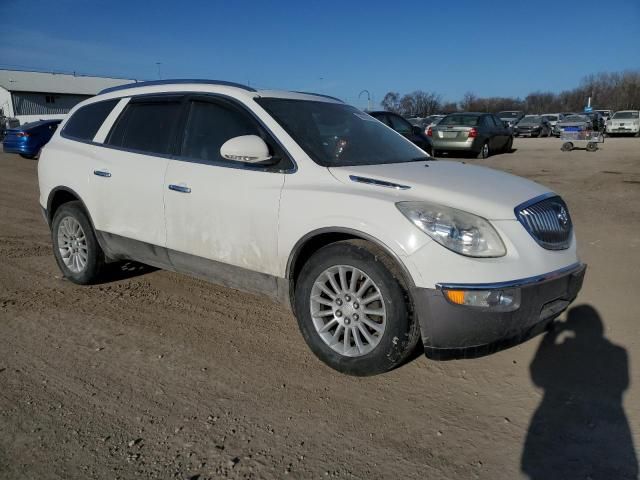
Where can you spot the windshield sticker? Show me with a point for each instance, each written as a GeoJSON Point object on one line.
{"type": "Point", "coordinates": [364, 116]}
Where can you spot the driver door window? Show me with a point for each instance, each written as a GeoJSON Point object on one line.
{"type": "Point", "coordinates": [209, 126]}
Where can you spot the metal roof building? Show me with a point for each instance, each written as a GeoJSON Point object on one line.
{"type": "Point", "coordinates": [31, 96]}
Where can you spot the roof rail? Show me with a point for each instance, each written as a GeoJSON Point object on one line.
{"type": "Point", "coordinates": [320, 95]}
{"type": "Point", "coordinates": [176, 81]}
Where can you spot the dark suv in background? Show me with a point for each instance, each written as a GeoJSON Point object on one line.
{"type": "Point", "coordinates": [414, 133]}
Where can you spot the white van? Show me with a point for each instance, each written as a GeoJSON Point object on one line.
{"type": "Point", "coordinates": [372, 243]}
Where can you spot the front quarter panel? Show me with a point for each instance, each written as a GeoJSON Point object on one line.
{"type": "Point", "coordinates": [324, 204]}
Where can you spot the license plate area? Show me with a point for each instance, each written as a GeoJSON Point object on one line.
{"type": "Point", "coordinates": [449, 134]}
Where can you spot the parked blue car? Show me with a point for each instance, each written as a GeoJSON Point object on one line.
{"type": "Point", "coordinates": [28, 139]}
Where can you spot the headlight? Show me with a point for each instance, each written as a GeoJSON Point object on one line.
{"type": "Point", "coordinates": [459, 231]}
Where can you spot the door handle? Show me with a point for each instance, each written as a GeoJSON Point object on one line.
{"type": "Point", "coordinates": [180, 188]}
{"type": "Point", "coordinates": [102, 173]}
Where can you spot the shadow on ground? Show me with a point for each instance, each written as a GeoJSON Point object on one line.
{"type": "Point", "coordinates": [580, 430]}
{"type": "Point", "coordinates": [125, 270]}
{"type": "Point", "coordinates": [467, 155]}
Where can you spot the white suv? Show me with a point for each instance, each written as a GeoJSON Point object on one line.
{"type": "Point", "coordinates": [371, 242]}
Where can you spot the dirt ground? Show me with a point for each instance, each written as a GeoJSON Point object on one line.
{"type": "Point", "coordinates": [157, 375]}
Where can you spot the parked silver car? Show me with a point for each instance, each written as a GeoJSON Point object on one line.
{"type": "Point", "coordinates": [479, 133]}
{"type": "Point", "coordinates": [583, 122]}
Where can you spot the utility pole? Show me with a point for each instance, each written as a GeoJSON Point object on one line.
{"type": "Point", "coordinates": [159, 72]}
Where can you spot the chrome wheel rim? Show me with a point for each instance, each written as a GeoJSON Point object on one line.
{"type": "Point", "coordinates": [72, 244]}
{"type": "Point", "coordinates": [485, 150]}
{"type": "Point", "coordinates": [348, 310]}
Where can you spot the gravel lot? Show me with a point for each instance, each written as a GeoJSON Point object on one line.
{"type": "Point", "coordinates": [158, 375]}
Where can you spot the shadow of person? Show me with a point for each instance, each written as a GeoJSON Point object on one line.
{"type": "Point", "coordinates": [580, 430]}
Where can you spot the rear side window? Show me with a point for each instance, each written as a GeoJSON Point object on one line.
{"type": "Point", "coordinates": [400, 125]}
{"type": "Point", "coordinates": [146, 125]}
{"type": "Point", "coordinates": [209, 126]}
{"type": "Point", "coordinates": [85, 123]}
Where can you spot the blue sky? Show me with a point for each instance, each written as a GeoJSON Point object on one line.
{"type": "Point", "coordinates": [492, 48]}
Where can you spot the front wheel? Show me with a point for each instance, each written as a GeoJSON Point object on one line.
{"type": "Point", "coordinates": [75, 246]}
{"type": "Point", "coordinates": [352, 309]}
{"type": "Point", "coordinates": [567, 147]}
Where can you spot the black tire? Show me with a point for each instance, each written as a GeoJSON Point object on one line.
{"type": "Point", "coordinates": [30, 157]}
{"type": "Point", "coordinates": [567, 147]}
{"type": "Point", "coordinates": [485, 151]}
{"type": "Point", "coordinates": [509, 145]}
{"type": "Point", "coordinates": [592, 147]}
{"type": "Point", "coordinates": [401, 333]}
{"type": "Point", "coordinates": [95, 262]}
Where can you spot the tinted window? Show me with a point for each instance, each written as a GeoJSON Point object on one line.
{"type": "Point", "coordinates": [486, 122]}
{"type": "Point", "coordinates": [146, 125]}
{"type": "Point", "coordinates": [382, 117]}
{"type": "Point", "coordinates": [209, 126]}
{"type": "Point", "coordinates": [85, 123]}
{"type": "Point", "coordinates": [399, 124]}
{"type": "Point", "coordinates": [499, 123]}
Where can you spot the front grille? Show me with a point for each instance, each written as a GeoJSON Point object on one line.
{"type": "Point", "coordinates": [548, 222]}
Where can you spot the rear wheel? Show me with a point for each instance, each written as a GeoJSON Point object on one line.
{"type": "Point", "coordinates": [509, 145]}
{"type": "Point", "coordinates": [567, 147]}
{"type": "Point", "coordinates": [592, 147]}
{"type": "Point", "coordinates": [30, 157]}
{"type": "Point", "coordinates": [484, 151]}
{"type": "Point", "coordinates": [353, 311]}
{"type": "Point", "coordinates": [75, 246]}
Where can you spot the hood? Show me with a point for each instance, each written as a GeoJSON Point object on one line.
{"type": "Point", "coordinates": [492, 194]}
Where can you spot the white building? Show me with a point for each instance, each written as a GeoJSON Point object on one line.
{"type": "Point", "coordinates": [30, 96]}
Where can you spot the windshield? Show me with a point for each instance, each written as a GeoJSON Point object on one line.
{"type": "Point", "coordinates": [509, 114]}
{"type": "Point", "coordinates": [576, 118]}
{"type": "Point", "coordinates": [625, 115]}
{"type": "Point", "coordinates": [338, 135]}
{"type": "Point", "coordinates": [551, 118]}
{"type": "Point", "coordinates": [530, 121]}
{"type": "Point", "coordinates": [460, 120]}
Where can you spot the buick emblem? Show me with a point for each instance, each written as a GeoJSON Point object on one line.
{"type": "Point", "coordinates": [563, 216]}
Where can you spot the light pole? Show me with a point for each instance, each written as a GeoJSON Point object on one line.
{"type": "Point", "coordinates": [368, 98]}
{"type": "Point", "coordinates": [159, 73]}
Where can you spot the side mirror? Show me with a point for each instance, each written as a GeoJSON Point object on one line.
{"type": "Point", "coordinates": [245, 148]}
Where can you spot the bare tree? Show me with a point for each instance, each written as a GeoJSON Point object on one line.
{"type": "Point", "coordinates": [615, 91]}
{"type": "Point", "coordinates": [391, 102]}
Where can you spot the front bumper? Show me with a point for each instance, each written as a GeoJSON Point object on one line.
{"type": "Point", "coordinates": [625, 129]}
{"type": "Point", "coordinates": [454, 331]}
{"type": "Point", "coordinates": [527, 133]}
